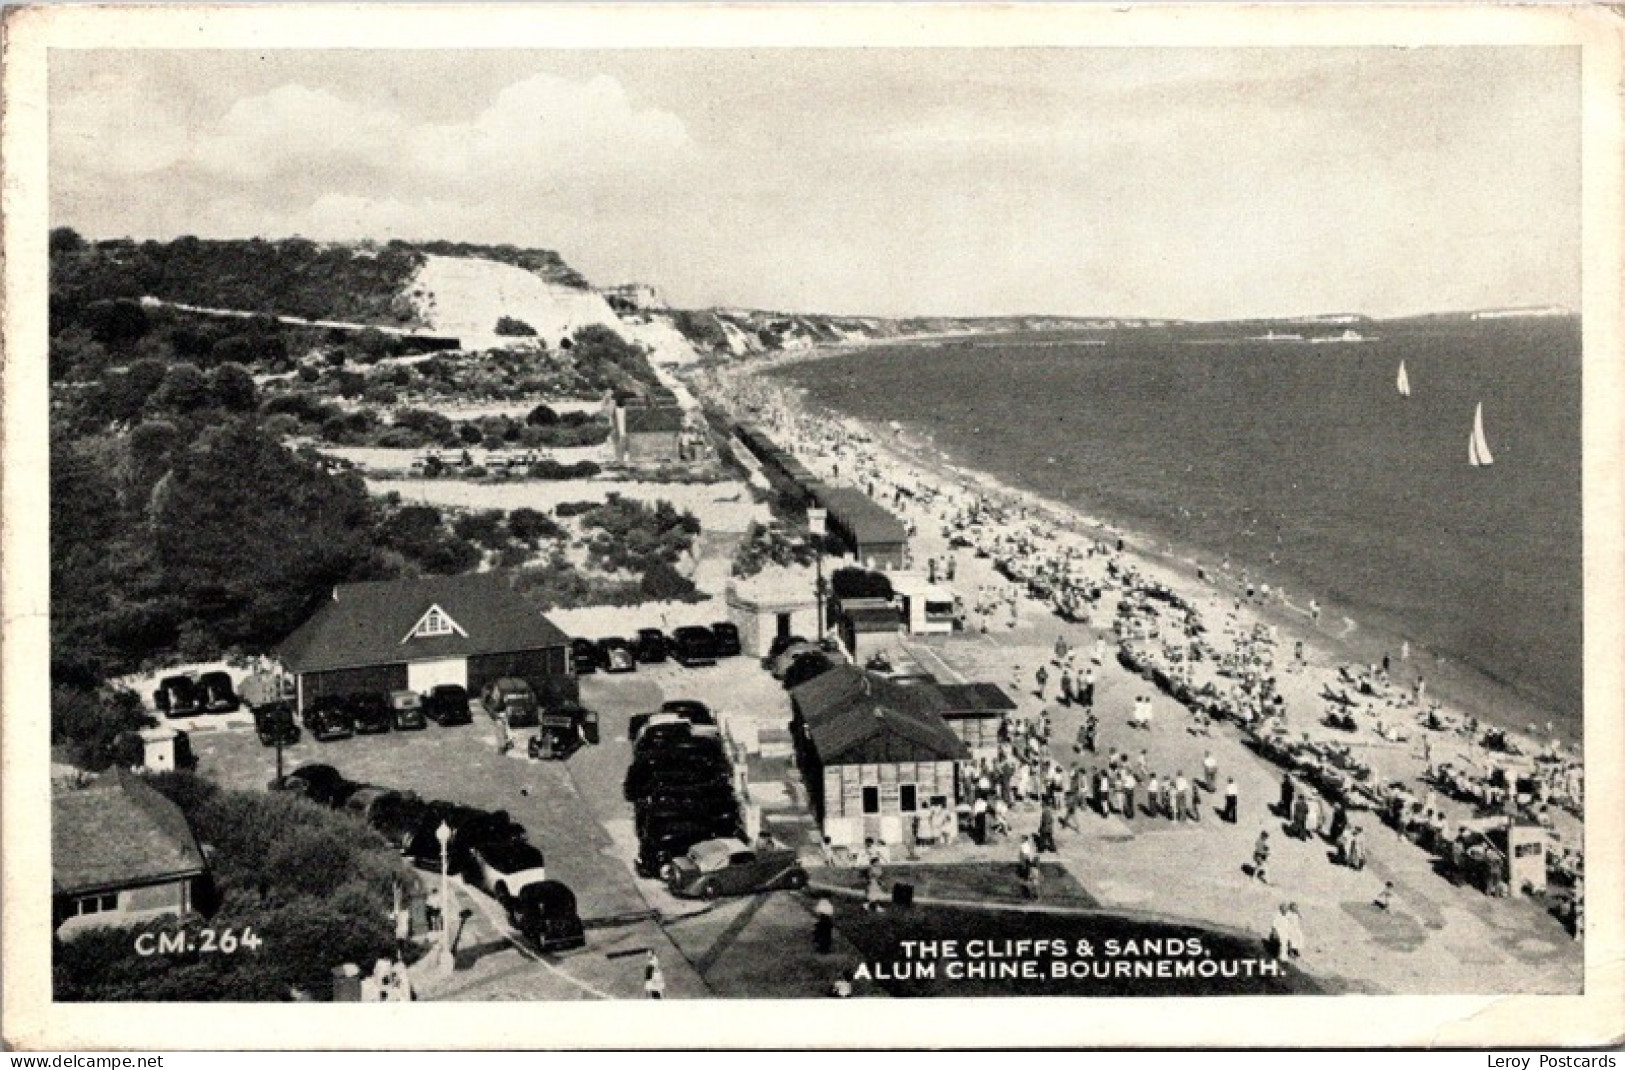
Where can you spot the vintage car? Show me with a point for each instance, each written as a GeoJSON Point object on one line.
{"type": "Point", "coordinates": [565, 728]}
{"type": "Point", "coordinates": [216, 694]}
{"type": "Point", "coordinates": [583, 656]}
{"type": "Point", "coordinates": [274, 723]}
{"type": "Point", "coordinates": [651, 646]}
{"type": "Point", "coordinates": [545, 914]}
{"type": "Point", "coordinates": [319, 783]}
{"type": "Point", "coordinates": [725, 637]}
{"type": "Point", "coordinates": [469, 827]}
{"type": "Point", "coordinates": [728, 867]}
{"type": "Point", "coordinates": [178, 696]}
{"type": "Point", "coordinates": [406, 710]}
{"type": "Point", "coordinates": [674, 839]}
{"type": "Point", "coordinates": [447, 704]}
{"type": "Point", "coordinates": [682, 769]}
{"type": "Point", "coordinates": [615, 655]}
{"type": "Point", "coordinates": [327, 717]}
{"type": "Point", "coordinates": [369, 711]}
{"type": "Point", "coordinates": [503, 867]}
{"type": "Point", "coordinates": [691, 711]}
{"type": "Point", "coordinates": [694, 646]}
{"type": "Point", "coordinates": [512, 700]}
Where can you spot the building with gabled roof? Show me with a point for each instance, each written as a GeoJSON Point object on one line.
{"type": "Point", "coordinates": [414, 634]}
{"type": "Point", "coordinates": [874, 752]}
{"type": "Point", "coordinates": [121, 854]}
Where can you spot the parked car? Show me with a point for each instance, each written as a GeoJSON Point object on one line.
{"type": "Point", "coordinates": [689, 710]}
{"type": "Point", "coordinates": [728, 867]}
{"type": "Point", "coordinates": [369, 800]}
{"type": "Point", "coordinates": [674, 772]}
{"type": "Point", "coordinates": [688, 713]}
{"type": "Point", "coordinates": [807, 666]}
{"type": "Point", "coordinates": [615, 655]}
{"type": "Point", "coordinates": [406, 710]}
{"type": "Point", "coordinates": [469, 826]}
{"type": "Point", "coordinates": [651, 646]}
{"type": "Point", "coordinates": [400, 817]}
{"type": "Point", "coordinates": [216, 694]}
{"type": "Point", "coordinates": [274, 723]}
{"type": "Point", "coordinates": [725, 636]}
{"type": "Point", "coordinates": [328, 717]}
{"type": "Point", "coordinates": [504, 867]}
{"type": "Point", "coordinates": [447, 704]}
{"type": "Point", "coordinates": [371, 712]}
{"type": "Point", "coordinates": [512, 699]}
{"type": "Point", "coordinates": [177, 696]}
{"type": "Point", "coordinates": [565, 728]}
{"type": "Point", "coordinates": [546, 915]}
{"type": "Point", "coordinates": [318, 783]}
{"type": "Point", "coordinates": [673, 840]}
{"type": "Point", "coordinates": [780, 664]}
{"type": "Point", "coordinates": [780, 644]}
{"type": "Point", "coordinates": [713, 805]}
{"type": "Point", "coordinates": [652, 731]}
{"type": "Point", "coordinates": [583, 656]}
{"type": "Point", "coordinates": [693, 646]}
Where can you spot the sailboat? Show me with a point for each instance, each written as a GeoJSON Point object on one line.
{"type": "Point", "coordinates": [1478, 447]}
{"type": "Point", "coordinates": [1404, 381]}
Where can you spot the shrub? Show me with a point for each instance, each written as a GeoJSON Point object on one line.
{"type": "Point", "coordinates": [528, 525]}
{"type": "Point", "coordinates": [514, 328]}
{"type": "Point", "coordinates": [663, 583]}
{"type": "Point", "coordinates": [551, 469]}
{"type": "Point", "coordinates": [569, 509]}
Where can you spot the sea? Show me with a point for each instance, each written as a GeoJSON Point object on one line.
{"type": "Point", "coordinates": [1300, 464]}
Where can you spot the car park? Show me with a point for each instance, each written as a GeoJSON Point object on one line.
{"type": "Point", "coordinates": [406, 710]}
{"type": "Point", "coordinates": [327, 717]}
{"type": "Point", "coordinates": [512, 700]}
{"type": "Point", "coordinates": [727, 867]}
{"type": "Point", "coordinates": [615, 655]}
{"type": "Point", "coordinates": [725, 637]}
{"type": "Point", "coordinates": [177, 696]}
{"type": "Point", "coordinates": [546, 915]}
{"type": "Point", "coordinates": [318, 783]}
{"type": "Point", "coordinates": [447, 704]}
{"type": "Point", "coordinates": [583, 656]}
{"type": "Point", "coordinates": [503, 868]}
{"type": "Point", "coordinates": [216, 694]}
{"type": "Point", "coordinates": [651, 646]}
{"type": "Point", "coordinates": [275, 725]}
{"type": "Point", "coordinates": [370, 712]}
{"type": "Point", "coordinates": [694, 646]}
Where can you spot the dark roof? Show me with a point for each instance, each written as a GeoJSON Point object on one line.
{"type": "Point", "coordinates": [856, 717]}
{"type": "Point", "coordinates": [118, 833]}
{"type": "Point", "coordinates": [974, 700]}
{"type": "Point", "coordinates": [366, 623]}
{"type": "Point", "coordinates": [871, 614]}
{"type": "Point", "coordinates": [653, 419]}
{"type": "Point", "coordinates": [857, 515]}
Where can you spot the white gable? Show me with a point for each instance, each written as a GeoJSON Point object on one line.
{"type": "Point", "coordinates": [435, 624]}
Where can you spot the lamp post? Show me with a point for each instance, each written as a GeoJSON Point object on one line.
{"type": "Point", "coordinates": [447, 963]}
{"type": "Point", "coordinates": [816, 518]}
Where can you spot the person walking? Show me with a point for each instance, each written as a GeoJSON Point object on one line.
{"type": "Point", "coordinates": [1182, 797]}
{"type": "Point", "coordinates": [1129, 784]}
{"type": "Point", "coordinates": [1281, 933]}
{"type": "Point", "coordinates": [1230, 800]}
{"type": "Point", "coordinates": [1261, 857]}
{"type": "Point", "coordinates": [1210, 771]}
{"type": "Point", "coordinates": [1086, 693]}
{"type": "Point", "coordinates": [1153, 793]}
{"type": "Point", "coordinates": [1042, 676]}
{"type": "Point", "coordinates": [1046, 830]}
{"type": "Point", "coordinates": [824, 925]}
{"type": "Point", "coordinates": [1288, 792]}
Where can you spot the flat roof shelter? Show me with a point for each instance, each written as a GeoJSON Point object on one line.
{"type": "Point", "coordinates": [865, 529]}
{"type": "Point", "coordinates": [874, 753]}
{"type": "Point", "coordinates": [773, 603]}
{"type": "Point", "coordinates": [927, 608]}
{"type": "Point", "coordinates": [866, 624]}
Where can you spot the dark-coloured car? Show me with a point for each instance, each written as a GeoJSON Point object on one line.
{"type": "Point", "coordinates": [615, 655]}
{"type": "Point", "coordinates": [689, 710]}
{"type": "Point", "coordinates": [728, 867]}
{"type": "Point", "coordinates": [274, 723]}
{"type": "Point", "coordinates": [725, 635]}
{"type": "Point", "coordinates": [406, 711]}
{"type": "Point", "coordinates": [318, 783]}
{"type": "Point", "coordinates": [513, 700]}
{"type": "Point", "coordinates": [371, 712]}
{"type": "Point", "coordinates": [668, 772]}
{"type": "Point", "coordinates": [674, 840]}
{"type": "Point", "coordinates": [780, 663]}
{"type": "Point", "coordinates": [216, 693]}
{"type": "Point", "coordinates": [177, 696]}
{"type": "Point", "coordinates": [808, 666]}
{"type": "Point", "coordinates": [679, 712]}
{"type": "Point", "coordinates": [693, 646]}
{"type": "Point", "coordinates": [469, 826]}
{"type": "Point", "coordinates": [447, 704]}
{"type": "Point", "coordinates": [565, 729]}
{"type": "Point", "coordinates": [780, 644]}
{"type": "Point", "coordinates": [651, 646]}
{"type": "Point", "coordinates": [583, 656]}
{"type": "Point", "coordinates": [713, 805]}
{"type": "Point", "coordinates": [399, 817]}
{"type": "Point", "coordinates": [368, 801]}
{"type": "Point", "coordinates": [328, 717]}
{"type": "Point", "coordinates": [546, 915]}
{"type": "Point", "coordinates": [504, 868]}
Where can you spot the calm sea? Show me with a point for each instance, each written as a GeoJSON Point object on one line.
{"type": "Point", "coordinates": [1301, 462]}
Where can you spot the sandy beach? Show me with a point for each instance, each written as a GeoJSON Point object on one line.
{"type": "Point", "coordinates": [1393, 752]}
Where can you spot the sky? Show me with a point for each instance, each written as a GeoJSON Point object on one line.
{"type": "Point", "coordinates": [1193, 183]}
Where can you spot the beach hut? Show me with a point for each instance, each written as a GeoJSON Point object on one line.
{"type": "Point", "coordinates": [866, 625]}
{"type": "Point", "coordinates": [862, 528]}
{"type": "Point", "coordinates": [974, 711]}
{"type": "Point", "coordinates": [926, 608]}
{"type": "Point", "coordinates": [874, 753]}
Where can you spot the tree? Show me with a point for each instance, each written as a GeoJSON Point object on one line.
{"type": "Point", "coordinates": [528, 525]}
{"type": "Point", "coordinates": [89, 723]}
{"type": "Point", "coordinates": [233, 388]}
{"type": "Point", "coordinates": [541, 416]}
{"type": "Point", "coordinates": [185, 389]}
{"type": "Point", "coordinates": [118, 323]}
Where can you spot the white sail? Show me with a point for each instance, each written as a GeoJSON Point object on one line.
{"type": "Point", "coordinates": [1478, 447]}
{"type": "Point", "coordinates": [1404, 381]}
